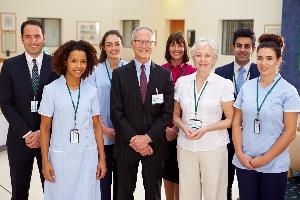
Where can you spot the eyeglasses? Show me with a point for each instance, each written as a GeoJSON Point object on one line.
{"type": "Point", "coordinates": [146, 42]}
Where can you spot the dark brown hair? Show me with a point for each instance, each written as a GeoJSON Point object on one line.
{"type": "Point", "coordinates": [32, 22]}
{"type": "Point", "coordinates": [244, 32]}
{"type": "Point", "coordinates": [178, 38]}
{"type": "Point", "coordinates": [273, 41]}
{"type": "Point", "coordinates": [61, 55]}
{"type": "Point", "coordinates": [103, 54]}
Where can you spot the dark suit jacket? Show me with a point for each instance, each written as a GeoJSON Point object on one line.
{"type": "Point", "coordinates": [130, 116]}
{"type": "Point", "coordinates": [16, 94]}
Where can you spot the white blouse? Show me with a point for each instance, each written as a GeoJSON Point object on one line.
{"type": "Point", "coordinates": [218, 89]}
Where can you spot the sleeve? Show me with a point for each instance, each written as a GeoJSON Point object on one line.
{"type": "Point", "coordinates": [227, 91]}
{"type": "Point", "coordinates": [95, 104]}
{"type": "Point", "coordinates": [177, 89]}
{"type": "Point", "coordinates": [92, 78]}
{"type": "Point", "coordinates": [292, 101]}
{"type": "Point", "coordinates": [47, 102]}
{"type": "Point", "coordinates": [239, 100]}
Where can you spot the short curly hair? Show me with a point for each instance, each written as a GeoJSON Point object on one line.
{"type": "Point", "coordinates": [61, 55]}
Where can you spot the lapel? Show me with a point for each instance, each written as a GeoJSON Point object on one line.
{"type": "Point", "coordinates": [44, 70]}
{"type": "Point", "coordinates": [132, 74]}
{"type": "Point", "coordinates": [25, 76]}
{"type": "Point", "coordinates": [153, 79]}
{"type": "Point", "coordinates": [230, 71]}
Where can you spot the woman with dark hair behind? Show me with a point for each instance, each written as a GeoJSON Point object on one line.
{"type": "Point", "coordinates": [264, 124]}
{"type": "Point", "coordinates": [75, 161]}
{"type": "Point", "coordinates": [110, 58]}
{"type": "Point", "coordinates": [177, 57]}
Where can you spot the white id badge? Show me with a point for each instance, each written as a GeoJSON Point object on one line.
{"type": "Point", "coordinates": [256, 126]}
{"type": "Point", "coordinates": [157, 99]}
{"type": "Point", "coordinates": [195, 123]}
{"type": "Point", "coordinates": [34, 106]}
{"type": "Point", "coordinates": [74, 136]}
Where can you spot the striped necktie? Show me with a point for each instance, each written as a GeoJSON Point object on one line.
{"type": "Point", "coordinates": [35, 77]}
{"type": "Point", "coordinates": [240, 79]}
{"type": "Point", "coordinates": [143, 83]}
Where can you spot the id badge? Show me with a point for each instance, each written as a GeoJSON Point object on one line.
{"type": "Point", "coordinates": [195, 123]}
{"type": "Point", "coordinates": [256, 126]}
{"type": "Point", "coordinates": [34, 106]}
{"type": "Point", "coordinates": [157, 99]}
{"type": "Point", "coordinates": [74, 136]}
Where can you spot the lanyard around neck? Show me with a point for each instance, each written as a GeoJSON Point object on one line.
{"type": "Point", "coordinates": [196, 102]}
{"type": "Point", "coordinates": [258, 108]}
{"type": "Point", "coordinates": [109, 77]}
{"type": "Point", "coordinates": [75, 108]}
{"type": "Point", "coordinates": [182, 71]}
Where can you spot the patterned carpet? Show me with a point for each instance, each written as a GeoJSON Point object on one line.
{"type": "Point", "coordinates": [293, 188]}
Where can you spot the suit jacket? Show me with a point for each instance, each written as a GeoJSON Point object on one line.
{"type": "Point", "coordinates": [16, 94]}
{"type": "Point", "coordinates": [130, 116]}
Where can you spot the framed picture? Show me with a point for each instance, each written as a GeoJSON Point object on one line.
{"type": "Point", "coordinates": [89, 31]}
{"type": "Point", "coordinates": [8, 42]}
{"type": "Point", "coordinates": [272, 28]}
{"type": "Point", "coordinates": [8, 21]}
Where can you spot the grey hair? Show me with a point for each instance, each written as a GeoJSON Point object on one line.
{"type": "Point", "coordinates": [143, 28]}
{"type": "Point", "coordinates": [203, 41]}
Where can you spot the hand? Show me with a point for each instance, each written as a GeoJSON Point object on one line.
{"type": "Point", "coordinates": [245, 160]}
{"type": "Point", "coordinates": [139, 142]}
{"type": "Point", "coordinates": [33, 139]}
{"type": "Point", "coordinates": [258, 161]}
{"type": "Point", "coordinates": [189, 133]}
{"type": "Point", "coordinates": [101, 169]}
{"type": "Point", "coordinates": [171, 133]}
{"type": "Point", "coordinates": [48, 171]}
{"type": "Point", "coordinates": [109, 132]}
{"type": "Point", "coordinates": [148, 151]}
{"type": "Point", "coordinates": [198, 133]}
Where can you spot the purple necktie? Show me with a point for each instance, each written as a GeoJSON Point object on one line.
{"type": "Point", "coordinates": [143, 83]}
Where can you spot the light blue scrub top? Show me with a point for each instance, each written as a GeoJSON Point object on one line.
{"type": "Point", "coordinates": [75, 165]}
{"type": "Point", "coordinates": [283, 98]}
{"type": "Point", "coordinates": [101, 81]}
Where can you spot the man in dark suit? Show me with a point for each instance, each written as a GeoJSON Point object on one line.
{"type": "Point", "coordinates": [141, 108]}
{"type": "Point", "coordinates": [238, 72]}
{"type": "Point", "coordinates": [22, 80]}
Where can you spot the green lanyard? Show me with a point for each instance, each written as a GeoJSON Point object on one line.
{"type": "Point", "coordinates": [197, 102]}
{"type": "Point", "coordinates": [75, 108]}
{"type": "Point", "coordinates": [108, 71]}
{"type": "Point", "coordinates": [182, 71]}
{"type": "Point", "coordinates": [258, 108]}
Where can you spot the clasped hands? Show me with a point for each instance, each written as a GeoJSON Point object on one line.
{"type": "Point", "coordinates": [252, 163]}
{"type": "Point", "coordinates": [32, 140]}
{"type": "Point", "coordinates": [194, 134]}
{"type": "Point", "coordinates": [140, 143]}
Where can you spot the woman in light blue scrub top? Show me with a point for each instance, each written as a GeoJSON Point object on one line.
{"type": "Point", "coordinates": [264, 125]}
{"type": "Point", "coordinates": [75, 161]}
{"type": "Point", "coordinates": [110, 58]}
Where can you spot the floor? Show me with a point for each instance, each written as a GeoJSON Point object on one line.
{"type": "Point", "coordinates": [36, 188]}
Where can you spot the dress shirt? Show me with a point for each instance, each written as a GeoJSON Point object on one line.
{"type": "Point", "coordinates": [139, 71]}
{"type": "Point", "coordinates": [283, 98]}
{"type": "Point", "coordinates": [218, 89]}
{"type": "Point", "coordinates": [177, 70]}
{"type": "Point", "coordinates": [39, 61]}
{"type": "Point", "coordinates": [100, 80]}
{"type": "Point", "coordinates": [236, 68]}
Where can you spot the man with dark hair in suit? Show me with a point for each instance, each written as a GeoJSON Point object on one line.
{"type": "Point", "coordinates": [141, 107]}
{"type": "Point", "coordinates": [22, 80]}
{"type": "Point", "coordinates": [239, 71]}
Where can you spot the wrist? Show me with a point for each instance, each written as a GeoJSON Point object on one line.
{"type": "Point", "coordinates": [148, 138]}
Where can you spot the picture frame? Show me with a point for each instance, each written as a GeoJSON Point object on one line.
{"type": "Point", "coordinates": [8, 21]}
{"type": "Point", "coordinates": [8, 42]}
{"type": "Point", "coordinates": [88, 31]}
{"type": "Point", "coordinates": [272, 28]}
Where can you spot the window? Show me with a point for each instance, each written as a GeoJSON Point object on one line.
{"type": "Point", "coordinates": [128, 27]}
{"type": "Point", "coordinates": [228, 27]}
{"type": "Point", "coordinates": [52, 31]}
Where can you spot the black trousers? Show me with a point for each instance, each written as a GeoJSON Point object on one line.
{"type": "Point", "coordinates": [261, 186]}
{"type": "Point", "coordinates": [21, 164]}
{"type": "Point", "coordinates": [111, 174]}
{"type": "Point", "coordinates": [127, 167]}
{"type": "Point", "coordinates": [231, 170]}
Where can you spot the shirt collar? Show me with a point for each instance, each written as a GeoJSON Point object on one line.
{"type": "Point", "coordinates": [237, 66]}
{"type": "Point", "coordinates": [209, 78]}
{"type": "Point", "coordinates": [120, 64]}
{"type": "Point", "coordinates": [39, 59]}
{"type": "Point", "coordinates": [138, 65]}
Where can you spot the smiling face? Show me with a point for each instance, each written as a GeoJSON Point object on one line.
{"type": "Point", "coordinates": [267, 62]}
{"type": "Point", "coordinates": [204, 58]}
{"type": "Point", "coordinates": [143, 44]}
{"type": "Point", "coordinates": [113, 47]}
{"type": "Point", "coordinates": [76, 64]}
{"type": "Point", "coordinates": [176, 51]}
{"type": "Point", "coordinates": [242, 50]}
{"type": "Point", "coordinates": [33, 40]}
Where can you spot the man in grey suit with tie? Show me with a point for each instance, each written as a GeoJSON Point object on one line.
{"type": "Point", "coordinates": [141, 107]}
{"type": "Point", "coordinates": [22, 80]}
{"type": "Point", "coordinates": [239, 71]}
